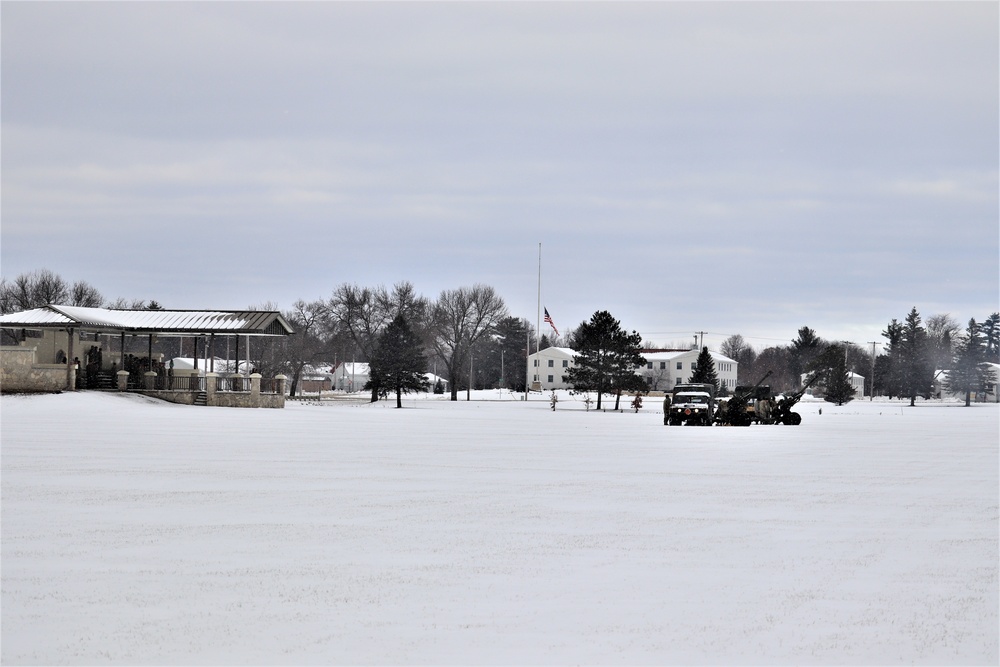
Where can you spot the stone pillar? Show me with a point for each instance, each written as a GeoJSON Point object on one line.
{"type": "Point", "coordinates": [70, 365]}
{"type": "Point", "coordinates": [122, 380]}
{"type": "Point", "coordinates": [281, 382]}
{"type": "Point", "coordinates": [211, 386]}
{"type": "Point", "coordinates": [149, 380]}
{"type": "Point", "coordinates": [255, 389]}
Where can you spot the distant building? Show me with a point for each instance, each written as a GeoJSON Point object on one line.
{"type": "Point", "coordinates": [549, 367]}
{"type": "Point", "coordinates": [316, 378]}
{"type": "Point", "coordinates": [666, 368]}
{"type": "Point", "coordinates": [662, 371]}
{"type": "Point", "coordinates": [819, 387]}
{"type": "Point", "coordinates": [350, 376]}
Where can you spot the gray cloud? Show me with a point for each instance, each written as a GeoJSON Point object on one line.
{"type": "Point", "coordinates": [828, 164]}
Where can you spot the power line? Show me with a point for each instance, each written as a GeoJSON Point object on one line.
{"type": "Point", "coordinates": [710, 333]}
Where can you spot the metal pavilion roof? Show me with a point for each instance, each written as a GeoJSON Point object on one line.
{"type": "Point", "coordinates": [163, 322]}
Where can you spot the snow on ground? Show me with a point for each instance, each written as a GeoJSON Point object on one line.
{"type": "Point", "coordinates": [495, 532]}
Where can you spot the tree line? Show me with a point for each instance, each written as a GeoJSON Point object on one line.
{"type": "Point", "coordinates": [467, 336]}
{"type": "Point", "coordinates": [912, 354]}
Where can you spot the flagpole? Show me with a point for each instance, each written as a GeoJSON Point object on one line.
{"type": "Point", "coordinates": [538, 310]}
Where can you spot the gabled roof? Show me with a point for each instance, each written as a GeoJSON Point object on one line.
{"type": "Point", "coordinates": [351, 368]}
{"type": "Point", "coordinates": [163, 322]}
{"type": "Point", "coordinates": [565, 352]}
{"type": "Point", "coordinates": [667, 355]}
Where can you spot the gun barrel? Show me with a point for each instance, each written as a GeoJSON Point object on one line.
{"type": "Point", "coordinates": [749, 391]}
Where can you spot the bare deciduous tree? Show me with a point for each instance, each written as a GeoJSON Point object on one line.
{"type": "Point", "coordinates": [306, 345]}
{"type": "Point", "coordinates": [85, 295]}
{"type": "Point", "coordinates": [43, 287]}
{"type": "Point", "coordinates": [942, 333]}
{"type": "Point", "coordinates": [365, 312]}
{"type": "Point", "coordinates": [460, 318]}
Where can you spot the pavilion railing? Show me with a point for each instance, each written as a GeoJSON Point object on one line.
{"type": "Point", "coordinates": [176, 383]}
{"type": "Point", "coordinates": [235, 383]}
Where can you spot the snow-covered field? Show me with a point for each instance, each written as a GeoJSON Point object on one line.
{"type": "Point", "coordinates": [495, 532]}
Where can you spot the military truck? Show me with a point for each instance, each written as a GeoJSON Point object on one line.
{"type": "Point", "coordinates": [692, 404]}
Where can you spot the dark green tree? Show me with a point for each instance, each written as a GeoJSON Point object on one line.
{"type": "Point", "coordinates": [398, 363]}
{"type": "Point", "coordinates": [889, 367]}
{"type": "Point", "coordinates": [916, 375]}
{"type": "Point", "coordinates": [704, 370]}
{"type": "Point", "coordinates": [363, 313]}
{"type": "Point", "coordinates": [991, 333]}
{"type": "Point", "coordinates": [969, 373]}
{"type": "Point", "coordinates": [833, 364]}
{"type": "Point", "coordinates": [607, 358]}
{"type": "Point", "coordinates": [805, 348]}
{"type": "Point", "coordinates": [509, 360]}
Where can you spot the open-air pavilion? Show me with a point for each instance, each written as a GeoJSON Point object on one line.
{"type": "Point", "coordinates": [57, 348]}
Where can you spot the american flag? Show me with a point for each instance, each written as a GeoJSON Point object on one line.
{"type": "Point", "coordinates": [548, 319]}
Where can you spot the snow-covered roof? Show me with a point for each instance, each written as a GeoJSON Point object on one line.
{"type": "Point", "coordinates": [351, 368]}
{"type": "Point", "coordinates": [566, 352]}
{"type": "Point", "coordinates": [182, 322]}
{"type": "Point", "coordinates": [664, 355]}
{"type": "Point", "coordinates": [667, 355]}
{"type": "Point", "coordinates": [322, 369]}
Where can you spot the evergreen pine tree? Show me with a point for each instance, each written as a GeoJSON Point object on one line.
{"type": "Point", "coordinates": [838, 383]}
{"type": "Point", "coordinates": [398, 364]}
{"type": "Point", "coordinates": [990, 329]}
{"type": "Point", "coordinates": [627, 358]}
{"type": "Point", "coordinates": [606, 358]}
{"type": "Point", "coordinates": [889, 366]}
{"type": "Point", "coordinates": [804, 350]}
{"type": "Point", "coordinates": [969, 372]}
{"type": "Point", "coordinates": [704, 370]}
{"type": "Point", "coordinates": [916, 375]}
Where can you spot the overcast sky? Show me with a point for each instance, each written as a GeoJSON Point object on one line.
{"type": "Point", "coordinates": [732, 168]}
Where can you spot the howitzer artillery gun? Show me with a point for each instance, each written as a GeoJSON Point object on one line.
{"type": "Point", "coordinates": [734, 413]}
{"type": "Point", "coordinates": [782, 412]}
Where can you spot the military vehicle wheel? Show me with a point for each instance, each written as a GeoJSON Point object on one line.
{"type": "Point", "coordinates": [795, 418]}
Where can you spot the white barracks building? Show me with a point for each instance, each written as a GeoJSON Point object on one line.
{"type": "Point", "coordinates": [663, 369]}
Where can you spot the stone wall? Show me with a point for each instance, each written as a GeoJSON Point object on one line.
{"type": "Point", "coordinates": [226, 399]}
{"type": "Point", "coordinates": [20, 374]}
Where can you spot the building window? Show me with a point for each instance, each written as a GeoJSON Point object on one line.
{"type": "Point", "coordinates": [649, 365]}
{"type": "Point", "coordinates": [677, 380]}
{"type": "Point", "coordinates": [565, 363]}
{"type": "Point", "coordinates": [536, 365]}
{"type": "Point", "coordinates": [680, 365]}
{"type": "Point", "coordinates": [551, 363]}
{"type": "Point", "coordinates": [692, 365]}
{"type": "Point", "coordinates": [663, 365]}
{"type": "Point", "coordinates": [550, 379]}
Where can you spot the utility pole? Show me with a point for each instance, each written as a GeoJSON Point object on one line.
{"type": "Point", "coordinates": [701, 338]}
{"type": "Point", "coordinates": [468, 392]}
{"type": "Point", "coordinates": [871, 396]}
